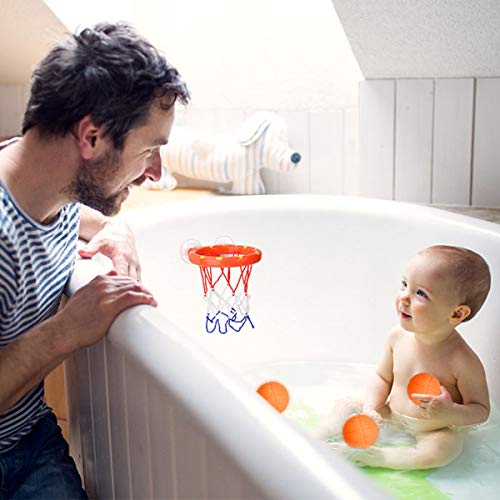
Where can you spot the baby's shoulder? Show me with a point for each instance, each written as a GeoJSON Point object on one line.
{"type": "Point", "coordinates": [463, 355]}
{"type": "Point", "coordinates": [395, 335]}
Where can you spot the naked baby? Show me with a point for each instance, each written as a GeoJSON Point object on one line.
{"type": "Point", "coordinates": [442, 287]}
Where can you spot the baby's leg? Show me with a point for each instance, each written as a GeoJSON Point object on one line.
{"type": "Point", "coordinates": [331, 424]}
{"type": "Point", "coordinates": [433, 449]}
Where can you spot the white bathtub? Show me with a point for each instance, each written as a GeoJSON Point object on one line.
{"type": "Point", "coordinates": [160, 410]}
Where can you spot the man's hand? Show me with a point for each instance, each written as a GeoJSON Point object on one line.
{"type": "Point", "coordinates": [89, 313]}
{"type": "Point", "coordinates": [84, 320]}
{"type": "Point", "coordinates": [116, 241]}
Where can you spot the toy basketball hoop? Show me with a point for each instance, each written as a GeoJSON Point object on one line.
{"type": "Point", "coordinates": [225, 272]}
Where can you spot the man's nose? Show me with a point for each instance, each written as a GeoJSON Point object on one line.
{"type": "Point", "coordinates": [404, 296]}
{"type": "Point", "coordinates": [153, 170]}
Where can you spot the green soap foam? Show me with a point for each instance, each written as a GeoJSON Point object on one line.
{"type": "Point", "coordinates": [407, 484]}
{"type": "Point", "coordinates": [303, 414]}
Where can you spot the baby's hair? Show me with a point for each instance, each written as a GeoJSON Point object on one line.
{"type": "Point", "coordinates": [468, 270]}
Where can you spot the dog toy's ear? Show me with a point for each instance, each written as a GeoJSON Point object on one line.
{"type": "Point", "coordinates": [253, 127]}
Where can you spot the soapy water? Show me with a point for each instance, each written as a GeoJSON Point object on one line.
{"type": "Point", "coordinates": [313, 386]}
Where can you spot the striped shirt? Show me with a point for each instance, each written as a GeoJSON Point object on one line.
{"type": "Point", "coordinates": [35, 263]}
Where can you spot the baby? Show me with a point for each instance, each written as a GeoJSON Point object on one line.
{"type": "Point", "coordinates": [442, 287]}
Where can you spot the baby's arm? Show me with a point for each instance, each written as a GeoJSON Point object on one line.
{"type": "Point", "coordinates": [471, 383]}
{"type": "Point", "coordinates": [378, 389]}
{"type": "Point", "coordinates": [380, 383]}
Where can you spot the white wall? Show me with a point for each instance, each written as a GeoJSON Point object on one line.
{"type": "Point", "coordinates": [13, 99]}
{"type": "Point", "coordinates": [236, 54]}
{"type": "Point", "coordinates": [75, 14]}
{"type": "Point", "coordinates": [28, 28]}
{"type": "Point", "coordinates": [424, 38]}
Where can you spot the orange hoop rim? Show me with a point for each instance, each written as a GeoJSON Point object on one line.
{"type": "Point", "coordinates": [224, 256]}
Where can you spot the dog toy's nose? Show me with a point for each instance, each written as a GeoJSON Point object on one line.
{"type": "Point", "coordinates": [295, 157]}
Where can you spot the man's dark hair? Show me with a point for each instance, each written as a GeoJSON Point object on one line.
{"type": "Point", "coordinates": [109, 72]}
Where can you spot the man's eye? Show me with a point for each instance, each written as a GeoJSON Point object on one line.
{"type": "Point", "coordinates": [403, 284]}
{"type": "Point", "coordinates": [150, 152]}
{"type": "Point", "coordinates": [421, 293]}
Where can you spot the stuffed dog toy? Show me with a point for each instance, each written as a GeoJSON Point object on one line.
{"type": "Point", "coordinates": [261, 142]}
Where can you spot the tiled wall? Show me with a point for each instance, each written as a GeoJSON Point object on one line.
{"type": "Point", "coordinates": [431, 140]}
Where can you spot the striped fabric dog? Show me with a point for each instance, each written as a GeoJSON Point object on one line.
{"type": "Point", "coordinates": [261, 142]}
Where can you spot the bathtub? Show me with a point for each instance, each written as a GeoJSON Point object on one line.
{"type": "Point", "coordinates": [162, 409]}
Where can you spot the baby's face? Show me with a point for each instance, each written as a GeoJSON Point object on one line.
{"type": "Point", "coordinates": [426, 299]}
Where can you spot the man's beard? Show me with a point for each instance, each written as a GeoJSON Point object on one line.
{"type": "Point", "coordinates": [93, 180]}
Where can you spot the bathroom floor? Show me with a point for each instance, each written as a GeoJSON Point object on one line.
{"type": "Point", "coordinates": [489, 214]}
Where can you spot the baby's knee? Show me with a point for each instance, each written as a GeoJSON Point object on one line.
{"type": "Point", "coordinates": [440, 452]}
{"type": "Point", "coordinates": [433, 461]}
{"type": "Point", "coordinates": [332, 423]}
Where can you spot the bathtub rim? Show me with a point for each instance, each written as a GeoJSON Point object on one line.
{"type": "Point", "coordinates": [217, 204]}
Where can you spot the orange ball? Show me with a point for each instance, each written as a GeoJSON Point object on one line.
{"type": "Point", "coordinates": [423, 383]}
{"type": "Point", "coordinates": [275, 394]}
{"type": "Point", "coordinates": [360, 431]}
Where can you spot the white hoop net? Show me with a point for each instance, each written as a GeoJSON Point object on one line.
{"type": "Point", "coordinates": [226, 294]}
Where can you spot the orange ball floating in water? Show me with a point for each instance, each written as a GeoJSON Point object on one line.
{"type": "Point", "coordinates": [275, 394]}
{"type": "Point", "coordinates": [423, 383]}
{"type": "Point", "coordinates": [360, 431]}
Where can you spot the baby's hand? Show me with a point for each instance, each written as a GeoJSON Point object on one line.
{"type": "Point", "coordinates": [435, 406]}
{"type": "Point", "coordinates": [374, 414]}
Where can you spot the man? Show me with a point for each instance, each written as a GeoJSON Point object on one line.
{"type": "Point", "coordinates": [102, 103]}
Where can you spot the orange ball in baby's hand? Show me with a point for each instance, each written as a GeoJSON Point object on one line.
{"type": "Point", "coordinates": [360, 431]}
{"type": "Point", "coordinates": [275, 394]}
{"type": "Point", "coordinates": [423, 383]}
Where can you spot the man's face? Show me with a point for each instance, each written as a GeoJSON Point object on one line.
{"type": "Point", "coordinates": [104, 183]}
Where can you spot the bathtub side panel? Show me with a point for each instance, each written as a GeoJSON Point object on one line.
{"type": "Point", "coordinates": [71, 375]}
{"type": "Point", "coordinates": [118, 419]}
{"type": "Point", "coordinates": [85, 422]}
{"type": "Point", "coordinates": [190, 457]}
{"type": "Point", "coordinates": [163, 456]}
{"type": "Point", "coordinates": [138, 431]}
{"type": "Point", "coordinates": [100, 419]}
{"type": "Point", "coordinates": [223, 475]}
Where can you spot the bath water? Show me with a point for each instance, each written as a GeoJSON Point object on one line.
{"type": "Point", "coordinates": [313, 386]}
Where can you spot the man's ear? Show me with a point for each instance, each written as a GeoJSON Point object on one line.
{"type": "Point", "coordinates": [90, 138]}
{"type": "Point", "coordinates": [460, 313]}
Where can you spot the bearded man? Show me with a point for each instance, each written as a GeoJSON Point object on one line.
{"type": "Point", "coordinates": [101, 105]}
